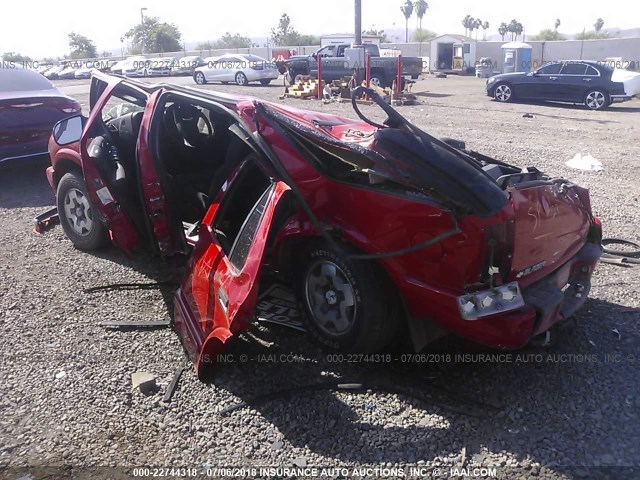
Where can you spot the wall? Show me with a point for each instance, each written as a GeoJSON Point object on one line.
{"type": "Point", "coordinates": [626, 48]}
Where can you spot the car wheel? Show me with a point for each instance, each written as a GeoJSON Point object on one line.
{"type": "Point", "coordinates": [378, 81]}
{"type": "Point", "coordinates": [199, 78]}
{"type": "Point", "coordinates": [503, 93]}
{"type": "Point", "coordinates": [596, 100]}
{"type": "Point", "coordinates": [78, 217]}
{"type": "Point", "coordinates": [265, 81]}
{"type": "Point", "coordinates": [348, 305]}
{"type": "Point", "coordinates": [241, 79]}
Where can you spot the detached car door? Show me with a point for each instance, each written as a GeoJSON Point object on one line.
{"type": "Point", "coordinates": [219, 292]}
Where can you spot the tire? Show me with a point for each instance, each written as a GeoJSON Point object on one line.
{"type": "Point", "coordinates": [597, 99]}
{"type": "Point", "coordinates": [265, 81]}
{"type": "Point", "coordinates": [348, 306]}
{"type": "Point", "coordinates": [241, 79]}
{"type": "Point", "coordinates": [199, 78]}
{"type": "Point", "coordinates": [378, 80]}
{"type": "Point", "coordinates": [503, 92]}
{"type": "Point", "coordinates": [79, 219]}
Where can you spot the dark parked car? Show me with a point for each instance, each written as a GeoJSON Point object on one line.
{"type": "Point", "coordinates": [29, 107]}
{"type": "Point", "coordinates": [186, 65]}
{"type": "Point", "coordinates": [594, 84]}
{"type": "Point", "coordinates": [380, 229]}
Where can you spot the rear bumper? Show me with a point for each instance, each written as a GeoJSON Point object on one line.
{"type": "Point", "coordinates": [548, 301]}
{"type": "Point", "coordinates": [559, 295]}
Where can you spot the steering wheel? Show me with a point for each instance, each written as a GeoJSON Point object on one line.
{"type": "Point", "coordinates": [107, 158]}
{"type": "Point", "coordinates": [181, 122]}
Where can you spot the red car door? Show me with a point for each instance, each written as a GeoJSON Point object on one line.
{"type": "Point", "coordinates": [219, 293]}
{"type": "Point", "coordinates": [122, 230]}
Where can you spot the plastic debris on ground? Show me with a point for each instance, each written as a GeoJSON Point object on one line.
{"type": "Point", "coordinates": [585, 162]}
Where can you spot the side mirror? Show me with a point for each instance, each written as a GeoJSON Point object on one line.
{"type": "Point", "coordinates": [69, 130]}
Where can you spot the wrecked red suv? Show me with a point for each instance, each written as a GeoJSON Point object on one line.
{"type": "Point", "coordinates": [380, 229]}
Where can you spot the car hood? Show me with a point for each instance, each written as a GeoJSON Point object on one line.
{"type": "Point", "coordinates": [506, 76]}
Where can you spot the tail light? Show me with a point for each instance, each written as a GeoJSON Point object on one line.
{"type": "Point", "coordinates": [70, 107]}
{"type": "Point", "coordinates": [595, 231]}
{"type": "Point", "coordinates": [489, 302]}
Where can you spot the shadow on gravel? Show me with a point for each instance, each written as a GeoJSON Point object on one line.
{"type": "Point", "coordinates": [571, 406]}
{"type": "Point", "coordinates": [433, 95]}
{"type": "Point", "coordinates": [163, 275]}
{"type": "Point", "coordinates": [23, 183]}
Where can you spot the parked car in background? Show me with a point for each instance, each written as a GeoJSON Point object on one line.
{"type": "Point", "coordinates": [239, 68]}
{"type": "Point", "coordinates": [42, 68]}
{"type": "Point", "coordinates": [68, 72]}
{"type": "Point", "coordinates": [84, 71]}
{"type": "Point", "coordinates": [135, 66]}
{"type": "Point", "coordinates": [52, 73]}
{"type": "Point", "coordinates": [383, 231]}
{"type": "Point", "coordinates": [29, 107]}
{"type": "Point", "coordinates": [159, 67]}
{"type": "Point", "coordinates": [116, 68]}
{"type": "Point", "coordinates": [594, 84]}
{"type": "Point", "coordinates": [186, 65]}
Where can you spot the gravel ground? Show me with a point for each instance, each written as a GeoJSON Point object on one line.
{"type": "Point", "coordinates": [66, 395]}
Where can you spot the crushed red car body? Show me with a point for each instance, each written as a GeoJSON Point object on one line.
{"type": "Point", "coordinates": [378, 228]}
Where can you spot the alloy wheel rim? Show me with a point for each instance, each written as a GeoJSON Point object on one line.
{"type": "Point", "coordinates": [78, 212]}
{"type": "Point", "coordinates": [503, 93]}
{"type": "Point", "coordinates": [200, 78]}
{"type": "Point", "coordinates": [375, 81]}
{"type": "Point", "coordinates": [595, 100]}
{"type": "Point", "coordinates": [330, 297]}
{"type": "Point", "coordinates": [240, 79]}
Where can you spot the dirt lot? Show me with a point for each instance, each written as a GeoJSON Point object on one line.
{"type": "Point", "coordinates": [566, 411]}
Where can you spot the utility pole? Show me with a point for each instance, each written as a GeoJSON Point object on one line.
{"type": "Point", "coordinates": [142, 25]}
{"type": "Point", "coordinates": [358, 22]}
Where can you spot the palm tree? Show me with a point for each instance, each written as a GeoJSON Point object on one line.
{"type": "Point", "coordinates": [485, 26]}
{"type": "Point", "coordinates": [467, 21]}
{"type": "Point", "coordinates": [407, 11]}
{"type": "Point", "coordinates": [421, 8]}
{"type": "Point", "coordinates": [476, 26]}
{"type": "Point", "coordinates": [503, 29]}
{"type": "Point", "coordinates": [598, 25]}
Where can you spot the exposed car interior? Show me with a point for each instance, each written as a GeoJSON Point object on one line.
{"type": "Point", "coordinates": [195, 153]}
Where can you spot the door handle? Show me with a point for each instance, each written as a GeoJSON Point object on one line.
{"type": "Point", "coordinates": [553, 78]}
{"type": "Point", "coordinates": [586, 79]}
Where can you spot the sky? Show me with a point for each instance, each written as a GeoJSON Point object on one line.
{"type": "Point", "coordinates": [39, 28]}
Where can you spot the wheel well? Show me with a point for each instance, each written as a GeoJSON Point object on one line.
{"type": "Point", "coordinates": [289, 254]}
{"type": "Point", "coordinates": [64, 166]}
